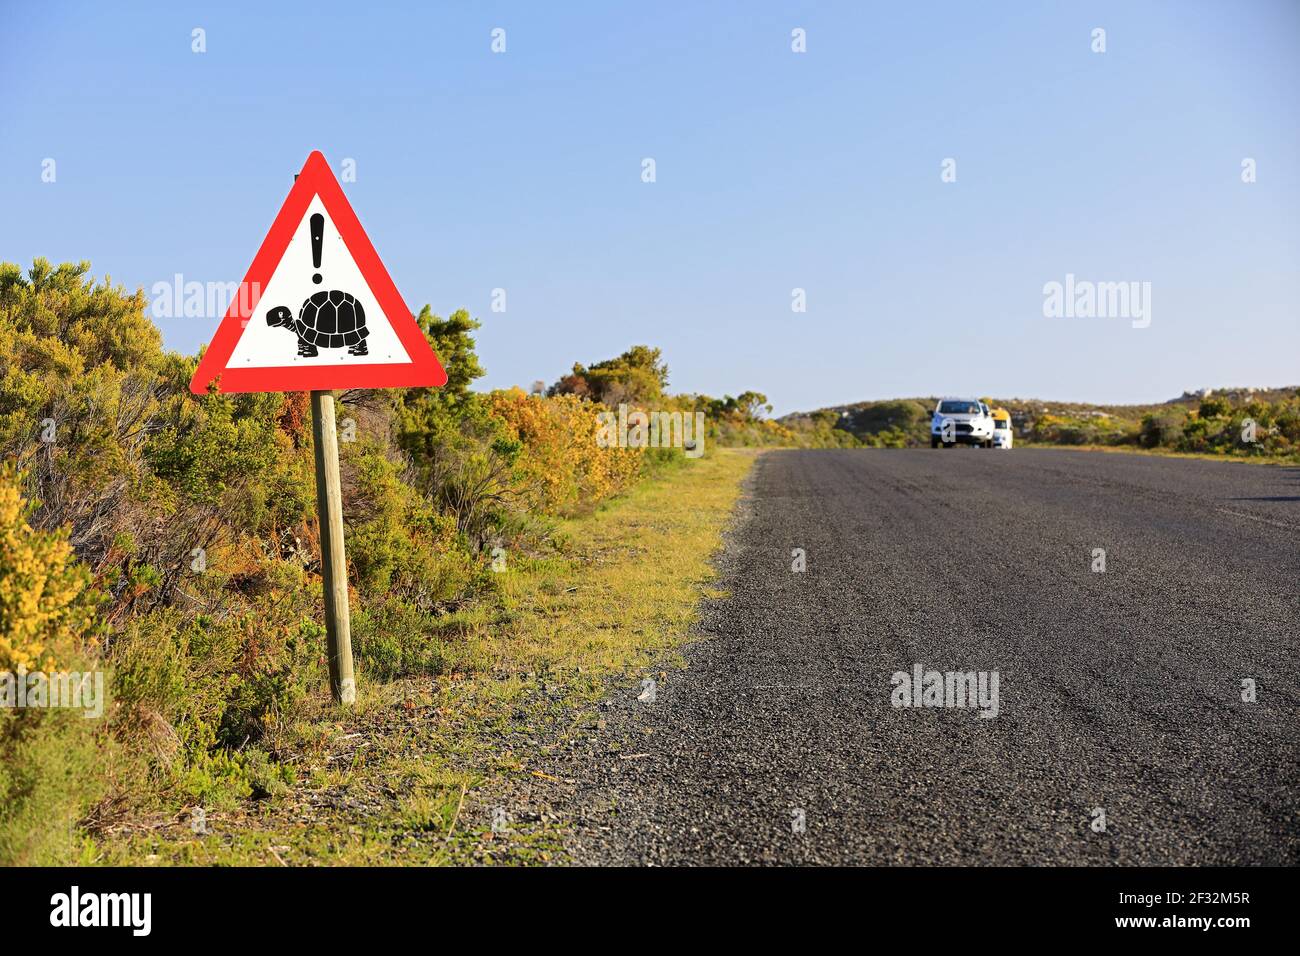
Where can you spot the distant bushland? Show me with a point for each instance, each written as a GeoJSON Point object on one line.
{"type": "Point", "coordinates": [1244, 423]}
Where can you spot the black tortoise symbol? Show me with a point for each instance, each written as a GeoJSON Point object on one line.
{"type": "Point", "coordinates": [328, 320]}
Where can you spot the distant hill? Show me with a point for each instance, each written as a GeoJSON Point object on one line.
{"type": "Point", "coordinates": [1206, 420]}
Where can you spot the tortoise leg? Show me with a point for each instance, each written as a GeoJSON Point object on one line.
{"type": "Point", "coordinates": [305, 348]}
{"type": "Point", "coordinates": [359, 349]}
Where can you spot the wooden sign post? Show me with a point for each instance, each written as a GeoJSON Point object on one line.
{"type": "Point", "coordinates": [333, 561]}
{"type": "Point", "coordinates": [316, 312]}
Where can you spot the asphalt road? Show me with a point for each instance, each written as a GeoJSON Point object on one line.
{"type": "Point", "coordinates": [1119, 691]}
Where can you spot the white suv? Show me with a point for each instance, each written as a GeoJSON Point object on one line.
{"type": "Point", "coordinates": [961, 421]}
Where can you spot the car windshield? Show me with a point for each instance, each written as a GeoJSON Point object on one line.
{"type": "Point", "coordinates": [958, 408]}
{"type": "Point", "coordinates": [1001, 423]}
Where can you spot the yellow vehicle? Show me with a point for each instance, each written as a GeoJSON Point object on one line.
{"type": "Point", "coordinates": [1001, 428]}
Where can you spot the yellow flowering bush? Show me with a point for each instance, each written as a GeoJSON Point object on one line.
{"type": "Point", "coordinates": [562, 468]}
{"type": "Point", "coordinates": [44, 611]}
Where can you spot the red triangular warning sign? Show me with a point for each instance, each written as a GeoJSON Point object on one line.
{"type": "Point", "coordinates": [317, 309]}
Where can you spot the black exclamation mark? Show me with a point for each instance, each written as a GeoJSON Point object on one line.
{"type": "Point", "coordinates": [317, 242]}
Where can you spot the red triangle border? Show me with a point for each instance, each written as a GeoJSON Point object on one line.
{"type": "Point", "coordinates": [424, 369]}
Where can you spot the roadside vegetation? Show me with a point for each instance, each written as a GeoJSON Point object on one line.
{"type": "Point", "coordinates": [416, 771]}
{"type": "Point", "coordinates": [744, 421]}
{"type": "Point", "coordinates": [170, 540]}
{"type": "Point", "coordinates": [1261, 424]}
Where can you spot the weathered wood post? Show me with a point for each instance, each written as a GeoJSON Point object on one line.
{"type": "Point", "coordinates": [334, 565]}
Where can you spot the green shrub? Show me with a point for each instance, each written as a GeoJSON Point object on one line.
{"type": "Point", "coordinates": [214, 684]}
{"type": "Point", "coordinates": [1162, 428]}
{"type": "Point", "coordinates": [392, 639]}
{"type": "Point", "coordinates": [52, 772]}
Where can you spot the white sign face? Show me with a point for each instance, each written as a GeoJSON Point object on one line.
{"type": "Point", "coordinates": [317, 308]}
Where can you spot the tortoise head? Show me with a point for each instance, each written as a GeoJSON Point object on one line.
{"type": "Point", "coordinates": [279, 317]}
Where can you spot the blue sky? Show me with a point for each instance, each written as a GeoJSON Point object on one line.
{"type": "Point", "coordinates": [775, 171]}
